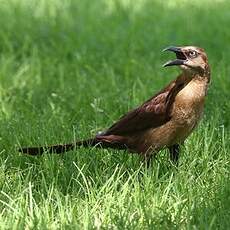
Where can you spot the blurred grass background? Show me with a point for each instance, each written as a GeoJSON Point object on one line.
{"type": "Point", "coordinates": [71, 68]}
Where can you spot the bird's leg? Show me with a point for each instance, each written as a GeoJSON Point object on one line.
{"type": "Point", "coordinates": [174, 151]}
{"type": "Point", "coordinates": [147, 156]}
{"type": "Point", "coordinates": [147, 159]}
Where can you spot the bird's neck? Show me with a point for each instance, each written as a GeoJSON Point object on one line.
{"type": "Point", "coordinates": [202, 76]}
{"type": "Point", "coordinates": [197, 84]}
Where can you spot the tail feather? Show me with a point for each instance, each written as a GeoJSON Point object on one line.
{"type": "Point", "coordinates": [61, 148]}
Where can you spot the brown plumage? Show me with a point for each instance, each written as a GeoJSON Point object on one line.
{"type": "Point", "coordinates": [164, 121]}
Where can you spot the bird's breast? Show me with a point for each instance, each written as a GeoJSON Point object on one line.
{"type": "Point", "coordinates": [188, 108]}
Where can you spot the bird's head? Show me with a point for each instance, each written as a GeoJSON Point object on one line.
{"type": "Point", "coordinates": [190, 59]}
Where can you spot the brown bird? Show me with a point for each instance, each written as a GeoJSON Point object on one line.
{"type": "Point", "coordinates": [163, 121]}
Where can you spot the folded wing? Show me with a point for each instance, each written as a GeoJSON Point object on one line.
{"type": "Point", "coordinates": [153, 113]}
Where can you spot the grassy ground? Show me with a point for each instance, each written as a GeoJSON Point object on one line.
{"type": "Point", "coordinates": [70, 68]}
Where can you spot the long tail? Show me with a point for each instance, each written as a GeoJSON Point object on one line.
{"type": "Point", "coordinates": [61, 148]}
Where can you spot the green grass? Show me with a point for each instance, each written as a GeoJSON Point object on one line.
{"type": "Point", "coordinates": [69, 69]}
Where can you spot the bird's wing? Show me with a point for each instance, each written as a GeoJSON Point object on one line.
{"type": "Point", "coordinates": [152, 113]}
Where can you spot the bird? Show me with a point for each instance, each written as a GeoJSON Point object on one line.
{"type": "Point", "coordinates": [162, 122]}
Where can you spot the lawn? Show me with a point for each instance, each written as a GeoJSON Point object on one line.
{"type": "Point", "coordinates": [70, 68]}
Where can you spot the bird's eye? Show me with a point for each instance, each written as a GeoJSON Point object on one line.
{"type": "Point", "coordinates": [192, 54]}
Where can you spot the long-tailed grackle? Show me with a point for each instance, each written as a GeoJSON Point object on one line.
{"type": "Point", "coordinates": [163, 121]}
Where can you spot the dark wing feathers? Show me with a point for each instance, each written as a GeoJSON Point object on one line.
{"type": "Point", "coordinates": [152, 113]}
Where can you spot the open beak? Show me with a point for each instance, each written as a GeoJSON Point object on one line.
{"type": "Point", "coordinates": [181, 58]}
